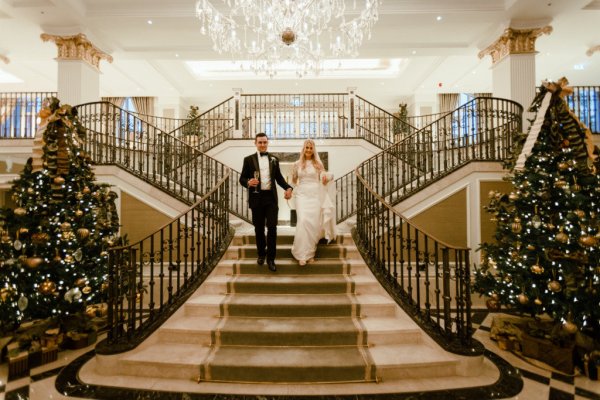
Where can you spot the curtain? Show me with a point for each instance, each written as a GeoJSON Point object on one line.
{"type": "Point", "coordinates": [448, 102]}
{"type": "Point", "coordinates": [117, 101]}
{"type": "Point", "coordinates": [144, 106]}
{"type": "Point", "coordinates": [482, 94]}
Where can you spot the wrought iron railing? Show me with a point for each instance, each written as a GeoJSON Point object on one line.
{"type": "Point", "coordinates": [116, 136]}
{"type": "Point", "coordinates": [378, 126]}
{"type": "Point", "coordinates": [18, 113]}
{"type": "Point", "coordinates": [481, 130]}
{"type": "Point", "coordinates": [149, 280]}
{"type": "Point", "coordinates": [165, 124]}
{"type": "Point", "coordinates": [210, 128]}
{"type": "Point", "coordinates": [585, 103]}
{"type": "Point", "coordinates": [429, 278]}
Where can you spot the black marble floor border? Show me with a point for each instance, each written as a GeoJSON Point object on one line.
{"type": "Point", "coordinates": [509, 384]}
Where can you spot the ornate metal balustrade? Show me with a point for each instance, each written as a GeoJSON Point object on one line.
{"type": "Point", "coordinates": [18, 113]}
{"type": "Point", "coordinates": [428, 278]}
{"type": "Point", "coordinates": [481, 130]}
{"type": "Point", "coordinates": [165, 124]}
{"type": "Point", "coordinates": [149, 280]}
{"type": "Point", "coordinates": [585, 103]}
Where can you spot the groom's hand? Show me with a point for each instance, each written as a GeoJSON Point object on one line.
{"type": "Point", "coordinates": [288, 194]}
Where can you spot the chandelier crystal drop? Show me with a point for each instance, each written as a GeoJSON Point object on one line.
{"type": "Point", "coordinates": [284, 34]}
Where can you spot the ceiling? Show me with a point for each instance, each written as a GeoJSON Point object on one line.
{"type": "Point", "coordinates": [433, 56]}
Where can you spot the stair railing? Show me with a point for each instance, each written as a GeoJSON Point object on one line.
{"type": "Point", "coordinates": [427, 277]}
{"type": "Point", "coordinates": [19, 113]}
{"type": "Point", "coordinates": [149, 280]}
{"type": "Point", "coordinates": [116, 136]}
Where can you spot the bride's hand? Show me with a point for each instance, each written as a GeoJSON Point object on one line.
{"type": "Point", "coordinates": [324, 179]}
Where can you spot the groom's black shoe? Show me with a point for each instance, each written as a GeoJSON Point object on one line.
{"type": "Point", "coordinates": [260, 260]}
{"type": "Point", "coordinates": [271, 264]}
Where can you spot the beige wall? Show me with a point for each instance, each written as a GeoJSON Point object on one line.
{"type": "Point", "coordinates": [138, 219]}
{"type": "Point", "coordinates": [447, 220]}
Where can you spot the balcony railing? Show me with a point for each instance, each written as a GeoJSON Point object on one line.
{"type": "Point", "coordinates": [585, 103]}
{"type": "Point", "coordinates": [18, 113]}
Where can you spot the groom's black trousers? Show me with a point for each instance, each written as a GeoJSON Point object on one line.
{"type": "Point", "coordinates": [265, 214]}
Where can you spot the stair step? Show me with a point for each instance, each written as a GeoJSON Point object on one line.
{"type": "Point", "coordinates": [289, 331]}
{"type": "Point", "coordinates": [288, 365]}
{"type": "Point", "coordinates": [269, 283]}
{"type": "Point", "coordinates": [285, 251]}
{"type": "Point", "coordinates": [287, 239]}
{"type": "Point", "coordinates": [403, 361]}
{"type": "Point", "coordinates": [175, 361]}
{"type": "Point", "coordinates": [287, 266]}
{"type": "Point", "coordinates": [290, 305]}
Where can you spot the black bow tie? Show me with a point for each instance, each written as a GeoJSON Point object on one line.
{"type": "Point", "coordinates": [264, 154]}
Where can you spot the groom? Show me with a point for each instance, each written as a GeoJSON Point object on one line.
{"type": "Point", "coordinates": [264, 203]}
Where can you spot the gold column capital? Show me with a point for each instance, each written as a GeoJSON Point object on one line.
{"type": "Point", "coordinates": [77, 47]}
{"type": "Point", "coordinates": [514, 41]}
{"type": "Point", "coordinates": [592, 50]}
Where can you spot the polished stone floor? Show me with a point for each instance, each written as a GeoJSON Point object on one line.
{"type": "Point", "coordinates": [539, 382]}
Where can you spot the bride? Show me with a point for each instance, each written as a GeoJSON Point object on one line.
{"type": "Point", "coordinates": [314, 207]}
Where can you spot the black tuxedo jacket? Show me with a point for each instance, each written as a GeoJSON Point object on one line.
{"type": "Point", "coordinates": [251, 165]}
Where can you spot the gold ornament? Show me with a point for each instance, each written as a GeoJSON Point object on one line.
{"type": "Point", "coordinates": [580, 213]}
{"type": "Point", "coordinates": [20, 211]}
{"type": "Point", "coordinates": [560, 184]}
{"type": "Point", "coordinates": [530, 247]}
{"type": "Point", "coordinates": [6, 239]}
{"type": "Point", "coordinates": [78, 213]}
{"type": "Point", "coordinates": [570, 327]}
{"type": "Point", "coordinates": [554, 286]}
{"type": "Point", "coordinates": [523, 299]}
{"type": "Point", "coordinates": [40, 238]}
{"type": "Point", "coordinates": [59, 180]}
{"type": "Point", "coordinates": [86, 190]}
{"type": "Point", "coordinates": [81, 282]}
{"type": "Point", "coordinates": [588, 240]}
{"type": "Point", "coordinates": [30, 191]}
{"type": "Point", "coordinates": [65, 226]}
{"type": "Point", "coordinates": [104, 287]}
{"type": "Point", "coordinates": [538, 302]}
{"type": "Point", "coordinates": [83, 233]}
{"type": "Point", "coordinates": [537, 269]}
{"type": "Point", "coordinates": [86, 290]}
{"type": "Point", "coordinates": [79, 196]}
{"type": "Point", "coordinates": [516, 225]}
{"type": "Point", "coordinates": [33, 262]}
{"type": "Point", "coordinates": [69, 259]}
{"type": "Point", "coordinates": [562, 237]}
{"type": "Point", "coordinates": [23, 231]}
{"type": "Point", "coordinates": [491, 194]}
{"type": "Point", "coordinates": [513, 196]}
{"type": "Point", "coordinates": [47, 287]}
{"type": "Point", "coordinates": [563, 166]}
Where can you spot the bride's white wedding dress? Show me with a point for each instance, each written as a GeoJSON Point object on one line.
{"type": "Point", "coordinates": [314, 210]}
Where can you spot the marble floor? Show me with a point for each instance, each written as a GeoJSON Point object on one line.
{"type": "Point", "coordinates": [540, 383]}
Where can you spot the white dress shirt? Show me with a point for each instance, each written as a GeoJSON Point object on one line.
{"type": "Point", "coordinates": [265, 174]}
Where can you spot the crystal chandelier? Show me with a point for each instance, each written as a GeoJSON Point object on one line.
{"type": "Point", "coordinates": [281, 33]}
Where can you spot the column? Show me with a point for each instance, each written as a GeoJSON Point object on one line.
{"type": "Point", "coordinates": [78, 68]}
{"type": "Point", "coordinates": [513, 65]}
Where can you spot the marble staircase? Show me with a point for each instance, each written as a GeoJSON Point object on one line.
{"type": "Point", "coordinates": [328, 325]}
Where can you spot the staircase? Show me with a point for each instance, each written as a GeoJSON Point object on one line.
{"type": "Point", "coordinates": [327, 322]}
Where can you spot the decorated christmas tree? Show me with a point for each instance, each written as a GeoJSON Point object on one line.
{"type": "Point", "coordinates": [53, 258]}
{"type": "Point", "coordinates": [546, 257]}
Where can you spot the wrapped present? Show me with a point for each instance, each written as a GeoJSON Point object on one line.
{"type": "Point", "coordinates": [78, 340]}
{"type": "Point", "coordinates": [49, 354]}
{"type": "Point", "coordinates": [52, 338]}
{"type": "Point", "coordinates": [18, 366]}
{"type": "Point", "coordinates": [559, 356]}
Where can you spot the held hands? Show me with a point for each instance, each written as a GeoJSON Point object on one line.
{"type": "Point", "coordinates": [288, 194]}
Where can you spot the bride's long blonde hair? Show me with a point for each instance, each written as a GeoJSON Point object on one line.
{"type": "Point", "coordinates": [301, 163]}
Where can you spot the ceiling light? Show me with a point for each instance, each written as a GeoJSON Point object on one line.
{"type": "Point", "coordinates": [439, 18]}
{"type": "Point", "coordinates": [300, 32]}
{"type": "Point", "coordinates": [149, 22]}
